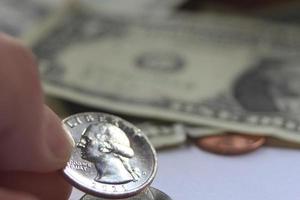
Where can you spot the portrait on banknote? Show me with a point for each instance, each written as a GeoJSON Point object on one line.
{"type": "Point", "coordinates": [272, 85]}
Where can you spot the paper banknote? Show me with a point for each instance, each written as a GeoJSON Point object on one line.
{"type": "Point", "coordinates": [134, 8]}
{"type": "Point", "coordinates": [17, 17]}
{"type": "Point", "coordinates": [161, 134]}
{"type": "Point", "coordinates": [219, 72]}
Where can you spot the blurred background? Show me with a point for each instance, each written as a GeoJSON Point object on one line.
{"type": "Point", "coordinates": [222, 75]}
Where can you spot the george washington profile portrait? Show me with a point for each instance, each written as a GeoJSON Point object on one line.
{"type": "Point", "coordinates": [272, 86]}
{"type": "Point", "coordinates": [108, 148]}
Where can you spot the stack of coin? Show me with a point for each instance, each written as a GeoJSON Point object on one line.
{"type": "Point", "coordinates": [112, 158]}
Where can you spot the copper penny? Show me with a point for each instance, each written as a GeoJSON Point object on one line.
{"type": "Point", "coordinates": [231, 144]}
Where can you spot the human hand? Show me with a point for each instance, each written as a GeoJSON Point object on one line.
{"type": "Point", "coordinates": [33, 145]}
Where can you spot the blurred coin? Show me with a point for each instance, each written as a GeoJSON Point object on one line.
{"type": "Point", "coordinates": [149, 194]}
{"type": "Point", "coordinates": [112, 158]}
{"type": "Point", "coordinates": [231, 143]}
{"type": "Point", "coordinates": [159, 195]}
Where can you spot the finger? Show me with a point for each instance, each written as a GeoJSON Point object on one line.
{"type": "Point", "coordinates": [13, 195]}
{"type": "Point", "coordinates": [46, 186]}
{"type": "Point", "coordinates": [31, 136]}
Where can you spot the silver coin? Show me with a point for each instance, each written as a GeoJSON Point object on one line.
{"type": "Point", "coordinates": [112, 158]}
{"type": "Point", "coordinates": [159, 195]}
{"type": "Point", "coordinates": [148, 194]}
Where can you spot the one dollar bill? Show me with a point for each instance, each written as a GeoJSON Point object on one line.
{"type": "Point", "coordinates": [214, 72]}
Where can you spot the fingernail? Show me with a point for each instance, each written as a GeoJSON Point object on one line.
{"type": "Point", "coordinates": [69, 137]}
{"type": "Point", "coordinates": [61, 144]}
{"type": "Point", "coordinates": [59, 141]}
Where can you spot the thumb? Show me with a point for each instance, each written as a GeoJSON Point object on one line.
{"type": "Point", "coordinates": [31, 135]}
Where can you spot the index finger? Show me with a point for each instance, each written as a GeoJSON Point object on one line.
{"type": "Point", "coordinates": [32, 138]}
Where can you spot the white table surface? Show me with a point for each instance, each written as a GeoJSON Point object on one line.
{"type": "Point", "coordinates": [188, 173]}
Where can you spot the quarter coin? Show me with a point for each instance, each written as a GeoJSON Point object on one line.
{"type": "Point", "coordinates": [112, 158]}
{"type": "Point", "coordinates": [231, 143]}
